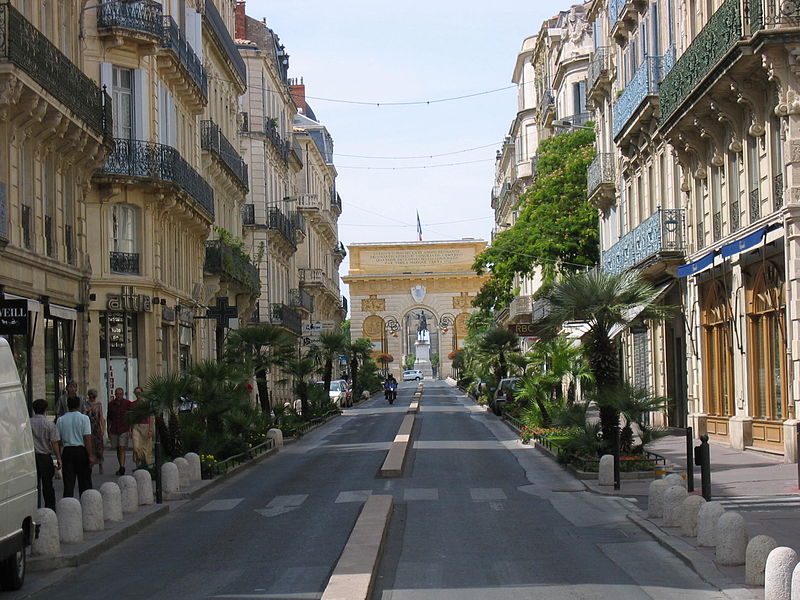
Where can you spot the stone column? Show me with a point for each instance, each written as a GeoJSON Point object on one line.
{"type": "Point", "coordinates": [92, 507]}
{"type": "Point", "coordinates": [70, 520]}
{"type": "Point", "coordinates": [112, 501]}
{"type": "Point", "coordinates": [130, 494]}
{"type": "Point", "coordinates": [49, 541]}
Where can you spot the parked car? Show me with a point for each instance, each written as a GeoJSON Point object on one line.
{"type": "Point", "coordinates": [413, 375]}
{"type": "Point", "coordinates": [503, 393]}
{"type": "Point", "coordinates": [339, 392]}
{"type": "Point", "coordinates": [18, 493]}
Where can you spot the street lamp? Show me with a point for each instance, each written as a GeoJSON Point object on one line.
{"type": "Point", "coordinates": [567, 124]}
{"type": "Point", "coordinates": [446, 321]}
{"type": "Point", "coordinates": [392, 326]}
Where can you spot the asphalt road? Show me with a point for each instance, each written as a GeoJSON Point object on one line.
{"type": "Point", "coordinates": [477, 515]}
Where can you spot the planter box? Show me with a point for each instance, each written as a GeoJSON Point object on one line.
{"type": "Point", "coordinates": [632, 475]}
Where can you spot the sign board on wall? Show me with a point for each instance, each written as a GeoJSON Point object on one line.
{"type": "Point", "coordinates": [13, 317]}
{"type": "Point", "coordinates": [523, 329]}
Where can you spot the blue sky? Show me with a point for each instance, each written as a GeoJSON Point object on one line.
{"type": "Point", "coordinates": [378, 51]}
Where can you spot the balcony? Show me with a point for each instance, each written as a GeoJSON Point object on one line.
{"type": "Point", "coordinates": [124, 262]}
{"type": "Point", "coordinates": [339, 251]}
{"type": "Point", "coordinates": [316, 213]}
{"type": "Point", "coordinates": [600, 184]}
{"type": "Point", "coordinates": [642, 86]}
{"type": "Point", "coordinates": [336, 201]}
{"type": "Point", "coordinates": [225, 43]}
{"type": "Point", "coordinates": [25, 47]}
{"type": "Point", "coordinates": [615, 8]}
{"type": "Point", "coordinates": [139, 22]}
{"type": "Point", "coordinates": [281, 145]}
{"type": "Point", "coordinates": [232, 264]}
{"type": "Point", "coordinates": [189, 64]}
{"type": "Point", "coordinates": [156, 163]}
{"type": "Point", "coordinates": [299, 298]}
{"type": "Point", "coordinates": [280, 314]}
{"type": "Point", "coordinates": [277, 221]}
{"type": "Point", "coordinates": [299, 224]}
{"type": "Point", "coordinates": [577, 120]}
{"type": "Point", "coordinates": [521, 307]}
{"type": "Point", "coordinates": [318, 278]}
{"type": "Point", "coordinates": [213, 140]}
{"type": "Point", "coordinates": [547, 103]}
{"type": "Point", "coordinates": [599, 73]}
{"type": "Point", "coordinates": [660, 239]}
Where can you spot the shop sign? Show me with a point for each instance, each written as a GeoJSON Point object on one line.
{"type": "Point", "coordinates": [13, 317]}
{"type": "Point", "coordinates": [523, 329]}
{"type": "Point", "coordinates": [186, 315]}
{"type": "Point", "coordinates": [128, 301]}
{"type": "Point", "coordinates": [168, 314]}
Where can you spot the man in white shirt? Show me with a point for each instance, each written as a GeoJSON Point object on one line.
{"type": "Point", "coordinates": [76, 448]}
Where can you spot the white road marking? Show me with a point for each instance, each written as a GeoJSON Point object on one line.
{"type": "Point", "coordinates": [282, 504]}
{"type": "Point", "coordinates": [353, 496]}
{"type": "Point", "coordinates": [487, 494]}
{"type": "Point", "coordinates": [225, 504]}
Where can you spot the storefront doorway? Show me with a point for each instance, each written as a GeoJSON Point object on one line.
{"type": "Point", "coordinates": [119, 352]}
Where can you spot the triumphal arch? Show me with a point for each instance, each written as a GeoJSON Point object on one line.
{"type": "Point", "coordinates": [413, 298]}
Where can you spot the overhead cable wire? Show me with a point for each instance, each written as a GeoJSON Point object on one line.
{"type": "Point", "coordinates": [420, 156]}
{"type": "Point", "coordinates": [466, 162]}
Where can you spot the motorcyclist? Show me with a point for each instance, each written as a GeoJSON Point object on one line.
{"type": "Point", "coordinates": [389, 385]}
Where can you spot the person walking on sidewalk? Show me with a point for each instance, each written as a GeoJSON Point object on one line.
{"type": "Point", "coordinates": [76, 448]}
{"type": "Point", "coordinates": [61, 403]}
{"type": "Point", "coordinates": [95, 413]}
{"type": "Point", "coordinates": [118, 426]}
{"type": "Point", "coordinates": [142, 434]}
{"type": "Point", "coordinates": [45, 444]}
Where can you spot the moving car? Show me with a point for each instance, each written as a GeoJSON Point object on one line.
{"type": "Point", "coordinates": [413, 375]}
{"type": "Point", "coordinates": [503, 393]}
{"type": "Point", "coordinates": [18, 492]}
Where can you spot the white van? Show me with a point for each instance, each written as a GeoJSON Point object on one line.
{"type": "Point", "coordinates": [18, 493]}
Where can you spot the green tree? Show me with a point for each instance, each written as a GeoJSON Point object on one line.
{"type": "Point", "coordinates": [163, 395]}
{"type": "Point", "coordinates": [331, 344]}
{"type": "Point", "coordinates": [556, 229]}
{"type": "Point", "coordinates": [300, 369]}
{"type": "Point", "coordinates": [359, 351]}
{"type": "Point", "coordinates": [604, 302]}
{"type": "Point", "coordinates": [494, 348]}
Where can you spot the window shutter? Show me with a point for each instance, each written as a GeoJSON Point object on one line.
{"type": "Point", "coordinates": [107, 77]}
{"type": "Point", "coordinates": [141, 105]}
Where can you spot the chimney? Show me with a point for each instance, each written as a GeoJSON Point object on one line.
{"type": "Point", "coordinates": [240, 29]}
{"type": "Point", "coordinates": [298, 91]}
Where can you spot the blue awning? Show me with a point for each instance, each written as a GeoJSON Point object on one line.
{"type": "Point", "coordinates": [745, 243]}
{"type": "Point", "coordinates": [693, 268]}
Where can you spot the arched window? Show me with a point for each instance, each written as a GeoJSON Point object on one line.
{"type": "Point", "coordinates": [767, 344]}
{"type": "Point", "coordinates": [717, 351]}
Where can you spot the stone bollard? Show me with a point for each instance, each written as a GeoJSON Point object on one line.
{"type": "Point", "coordinates": [707, 519]}
{"type": "Point", "coordinates": [778, 574]}
{"type": "Point", "coordinates": [796, 582]}
{"type": "Point", "coordinates": [688, 514]}
{"type": "Point", "coordinates": [169, 478]}
{"type": "Point", "coordinates": [195, 472]}
{"type": "Point", "coordinates": [48, 543]}
{"type": "Point", "coordinates": [277, 436]}
{"type": "Point", "coordinates": [673, 498]}
{"type": "Point", "coordinates": [130, 494]}
{"type": "Point", "coordinates": [605, 472]}
{"type": "Point", "coordinates": [755, 560]}
{"type": "Point", "coordinates": [144, 486]}
{"type": "Point", "coordinates": [112, 501]}
{"type": "Point", "coordinates": [92, 508]}
{"type": "Point", "coordinates": [70, 520]}
{"type": "Point", "coordinates": [731, 537]}
{"type": "Point", "coordinates": [655, 498]}
{"type": "Point", "coordinates": [183, 472]}
{"type": "Point", "coordinates": [675, 479]}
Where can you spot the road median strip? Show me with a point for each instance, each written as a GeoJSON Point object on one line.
{"type": "Point", "coordinates": [395, 458]}
{"type": "Point", "coordinates": [354, 574]}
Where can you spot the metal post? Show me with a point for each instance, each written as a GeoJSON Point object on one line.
{"type": "Point", "coordinates": [689, 460]}
{"type": "Point", "coordinates": [705, 467]}
{"type": "Point", "coordinates": [616, 457]}
{"type": "Point", "coordinates": [797, 452]}
{"type": "Point", "coordinates": [157, 453]}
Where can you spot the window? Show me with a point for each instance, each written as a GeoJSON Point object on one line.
{"type": "Point", "coordinates": [122, 87]}
{"type": "Point", "coordinates": [698, 207]}
{"type": "Point", "coordinates": [716, 202]}
{"type": "Point", "coordinates": [124, 255]}
{"type": "Point", "coordinates": [26, 187]}
{"type": "Point", "coordinates": [754, 178]}
{"type": "Point", "coordinates": [776, 153]}
{"type": "Point", "coordinates": [767, 344]}
{"type": "Point", "coordinates": [68, 187]}
{"type": "Point", "coordinates": [717, 351]}
{"type": "Point", "coordinates": [734, 191]}
{"type": "Point", "coordinates": [49, 201]}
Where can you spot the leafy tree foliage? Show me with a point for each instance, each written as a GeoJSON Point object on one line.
{"type": "Point", "coordinates": [556, 229]}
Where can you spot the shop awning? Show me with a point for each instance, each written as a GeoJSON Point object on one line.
{"type": "Point", "coordinates": [56, 311]}
{"type": "Point", "coordinates": [701, 264]}
{"type": "Point", "coordinates": [633, 312]}
{"type": "Point", "coordinates": [744, 243]}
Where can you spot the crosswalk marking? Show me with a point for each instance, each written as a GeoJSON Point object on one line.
{"type": "Point", "coordinates": [760, 502]}
{"type": "Point", "coordinates": [282, 504]}
{"type": "Point", "coordinates": [222, 504]}
{"type": "Point", "coordinates": [487, 494]}
{"type": "Point", "coordinates": [353, 496]}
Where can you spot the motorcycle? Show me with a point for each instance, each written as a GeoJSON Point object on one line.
{"type": "Point", "coordinates": [390, 392]}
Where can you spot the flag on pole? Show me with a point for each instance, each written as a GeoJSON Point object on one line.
{"type": "Point", "coordinates": [419, 227]}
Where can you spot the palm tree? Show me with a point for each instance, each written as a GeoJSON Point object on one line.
{"type": "Point", "coordinates": [359, 351]}
{"type": "Point", "coordinates": [217, 388]}
{"type": "Point", "coordinates": [494, 348]}
{"type": "Point", "coordinates": [564, 360]}
{"type": "Point", "coordinates": [163, 394]}
{"type": "Point", "coordinates": [603, 301]}
{"type": "Point", "coordinates": [260, 347]}
{"type": "Point", "coordinates": [634, 404]}
{"type": "Point", "coordinates": [300, 369]}
{"type": "Point", "coordinates": [331, 343]}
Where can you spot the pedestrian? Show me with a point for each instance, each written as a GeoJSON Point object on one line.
{"type": "Point", "coordinates": [118, 426]}
{"type": "Point", "coordinates": [98, 420]}
{"type": "Point", "coordinates": [45, 444]}
{"type": "Point", "coordinates": [61, 403]}
{"type": "Point", "coordinates": [76, 448]}
{"type": "Point", "coordinates": [142, 434]}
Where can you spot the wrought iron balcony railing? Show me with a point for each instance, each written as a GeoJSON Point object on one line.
{"type": "Point", "coordinates": [599, 67]}
{"type": "Point", "coordinates": [281, 146]}
{"type": "Point", "coordinates": [286, 316]}
{"type": "Point", "coordinates": [26, 47]}
{"type": "Point", "coordinates": [578, 120]}
{"type": "Point", "coordinates": [644, 83]}
{"type": "Point", "coordinates": [615, 9]}
{"type": "Point", "coordinates": [142, 17]}
{"type": "Point", "coordinates": [213, 140]}
{"type": "Point", "coordinates": [336, 200]}
{"type": "Point", "coordinates": [520, 306]}
{"type": "Point", "coordinates": [600, 171]}
{"type": "Point", "coordinates": [231, 263]}
{"type": "Point", "coordinates": [173, 40]}
{"type": "Point", "coordinates": [278, 221]}
{"type": "Point", "coordinates": [248, 214]}
{"type": "Point", "coordinates": [299, 221]}
{"type": "Point", "coordinates": [547, 102]}
{"type": "Point", "coordinates": [340, 250]}
{"type": "Point", "coordinates": [299, 298]}
{"type": "Point", "coordinates": [124, 262]}
{"type": "Point", "coordinates": [224, 40]}
{"type": "Point", "coordinates": [662, 232]}
{"type": "Point", "coordinates": [3, 215]}
{"type": "Point", "coordinates": [157, 162]}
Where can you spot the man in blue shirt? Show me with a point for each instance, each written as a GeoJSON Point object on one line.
{"type": "Point", "coordinates": [77, 456]}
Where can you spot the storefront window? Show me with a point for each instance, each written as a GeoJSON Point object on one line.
{"type": "Point", "coordinates": [718, 351]}
{"type": "Point", "coordinates": [119, 351]}
{"type": "Point", "coordinates": [57, 357]}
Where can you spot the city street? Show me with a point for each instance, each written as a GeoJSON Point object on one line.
{"type": "Point", "coordinates": [476, 516]}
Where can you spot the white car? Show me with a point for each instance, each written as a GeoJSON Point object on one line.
{"type": "Point", "coordinates": [339, 393]}
{"type": "Point", "coordinates": [413, 375]}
